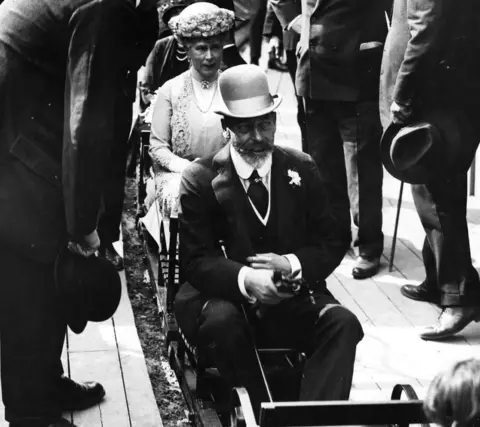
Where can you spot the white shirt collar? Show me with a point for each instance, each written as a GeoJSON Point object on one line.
{"type": "Point", "coordinates": [244, 170]}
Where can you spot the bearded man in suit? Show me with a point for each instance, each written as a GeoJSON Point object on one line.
{"type": "Point", "coordinates": [431, 65]}
{"type": "Point", "coordinates": [267, 206]}
{"type": "Point", "coordinates": [61, 64]}
{"type": "Point", "coordinates": [339, 56]}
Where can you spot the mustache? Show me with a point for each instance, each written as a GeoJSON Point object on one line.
{"type": "Point", "coordinates": [253, 148]}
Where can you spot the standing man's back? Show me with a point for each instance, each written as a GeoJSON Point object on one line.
{"type": "Point", "coordinates": [59, 66]}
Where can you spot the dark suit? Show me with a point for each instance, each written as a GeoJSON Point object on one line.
{"type": "Point", "coordinates": [290, 39]}
{"type": "Point", "coordinates": [438, 67]}
{"type": "Point", "coordinates": [59, 64]}
{"type": "Point", "coordinates": [163, 64]}
{"type": "Point", "coordinates": [339, 56]}
{"type": "Point", "coordinates": [138, 39]}
{"type": "Point", "coordinates": [215, 207]}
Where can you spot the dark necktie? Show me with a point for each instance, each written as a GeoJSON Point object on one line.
{"type": "Point", "coordinates": [258, 193]}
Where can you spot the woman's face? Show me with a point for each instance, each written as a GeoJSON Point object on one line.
{"type": "Point", "coordinates": [206, 56]}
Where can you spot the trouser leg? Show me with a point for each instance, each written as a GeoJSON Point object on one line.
{"type": "Point", "coordinates": [361, 132]}
{"type": "Point", "coordinates": [329, 337]}
{"type": "Point", "coordinates": [256, 36]}
{"type": "Point", "coordinates": [441, 206]}
{"type": "Point", "coordinates": [226, 336]}
{"type": "Point", "coordinates": [32, 335]}
{"type": "Point", "coordinates": [301, 120]}
{"type": "Point", "coordinates": [325, 145]}
{"type": "Point", "coordinates": [114, 189]}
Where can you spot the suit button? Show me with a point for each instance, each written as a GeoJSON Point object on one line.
{"type": "Point", "coordinates": [334, 47]}
{"type": "Point", "coordinates": [313, 19]}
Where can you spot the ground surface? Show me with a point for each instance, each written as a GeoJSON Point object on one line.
{"type": "Point", "coordinates": [167, 392]}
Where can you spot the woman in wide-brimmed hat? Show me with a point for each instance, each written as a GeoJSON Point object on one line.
{"type": "Point", "coordinates": [184, 125]}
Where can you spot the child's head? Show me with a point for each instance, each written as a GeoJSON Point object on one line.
{"type": "Point", "coordinates": [453, 398]}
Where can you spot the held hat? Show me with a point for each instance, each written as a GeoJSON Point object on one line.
{"type": "Point", "coordinates": [245, 93]}
{"type": "Point", "coordinates": [442, 141]}
{"type": "Point", "coordinates": [89, 289]}
{"type": "Point", "coordinates": [202, 20]}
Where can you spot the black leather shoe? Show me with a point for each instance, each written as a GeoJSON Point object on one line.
{"type": "Point", "coordinates": [420, 293]}
{"type": "Point", "coordinates": [365, 267]}
{"type": "Point", "coordinates": [109, 252]}
{"type": "Point", "coordinates": [77, 396]}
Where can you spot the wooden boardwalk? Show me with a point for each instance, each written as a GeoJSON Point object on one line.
{"type": "Point", "coordinates": [110, 353]}
{"type": "Point", "coordinates": [391, 351]}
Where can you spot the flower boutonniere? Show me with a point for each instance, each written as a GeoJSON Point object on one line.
{"type": "Point", "coordinates": [295, 180]}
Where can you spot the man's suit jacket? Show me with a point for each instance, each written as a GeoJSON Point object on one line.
{"type": "Point", "coordinates": [431, 55]}
{"type": "Point", "coordinates": [61, 66]}
{"type": "Point", "coordinates": [213, 204]}
{"type": "Point", "coordinates": [329, 47]}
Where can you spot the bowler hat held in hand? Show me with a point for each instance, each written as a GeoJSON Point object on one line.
{"type": "Point", "coordinates": [437, 145]}
{"type": "Point", "coordinates": [89, 288]}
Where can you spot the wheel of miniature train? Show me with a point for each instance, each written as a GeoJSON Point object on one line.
{"type": "Point", "coordinates": [410, 394]}
{"type": "Point", "coordinates": [241, 412]}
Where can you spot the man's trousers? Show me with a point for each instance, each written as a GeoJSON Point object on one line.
{"type": "Point", "coordinates": [114, 192]}
{"type": "Point", "coordinates": [32, 332]}
{"type": "Point", "coordinates": [326, 332]}
{"type": "Point", "coordinates": [343, 138]}
{"type": "Point", "coordinates": [442, 207]}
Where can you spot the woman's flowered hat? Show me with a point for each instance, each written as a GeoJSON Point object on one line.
{"type": "Point", "coordinates": [202, 19]}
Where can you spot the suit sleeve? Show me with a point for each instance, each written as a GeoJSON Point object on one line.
{"type": "Point", "coordinates": [286, 11]}
{"type": "Point", "coordinates": [329, 233]}
{"type": "Point", "coordinates": [202, 260]}
{"type": "Point", "coordinates": [425, 24]}
{"type": "Point", "coordinates": [89, 112]}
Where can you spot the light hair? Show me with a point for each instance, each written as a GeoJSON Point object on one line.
{"type": "Point", "coordinates": [453, 398]}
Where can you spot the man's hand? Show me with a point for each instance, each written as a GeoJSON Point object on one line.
{"type": "Point", "coordinates": [87, 246]}
{"type": "Point", "coordinates": [259, 284]}
{"type": "Point", "coordinates": [400, 114]}
{"type": "Point", "coordinates": [270, 261]}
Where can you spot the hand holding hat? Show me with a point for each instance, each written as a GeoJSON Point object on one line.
{"type": "Point", "coordinates": [87, 247]}
{"type": "Point", "coordinates": [89, 289]}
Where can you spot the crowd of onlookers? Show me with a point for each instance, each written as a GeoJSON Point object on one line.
{"type": "Point", "coordinates": [379, 83]}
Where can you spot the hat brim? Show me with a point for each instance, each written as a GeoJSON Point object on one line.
{"type": "Point", "coordinates": [224, 111]}
{"type": "Point", "coordinates": [74, 311]}
{"type": "Point", "coordinates": [413, 175]}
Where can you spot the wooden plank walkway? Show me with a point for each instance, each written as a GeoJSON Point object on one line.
{"type": "Point", "coordinates": [110, 352]}
{"type": "Point", "coordinates": [391, 351]}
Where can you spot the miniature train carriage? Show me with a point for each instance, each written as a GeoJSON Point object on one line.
{"type": "Point", "coordinates": [209, 402]}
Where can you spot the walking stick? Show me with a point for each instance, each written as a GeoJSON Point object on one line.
{"type": "Point", "coordinates": [397, 219]}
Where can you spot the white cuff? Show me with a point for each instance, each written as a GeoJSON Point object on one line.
{"type": "Point", "coordinates": [241, 284]}
{"type": "Point", "coordinates": [293, 21]}
{"type": "Point", "coordinates": [295, 266]}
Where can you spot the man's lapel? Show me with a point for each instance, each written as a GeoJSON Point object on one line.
{"type": "Point", "coordinates": [285, 203]}
{"type": "Point", "coordinates": [231, 197]}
